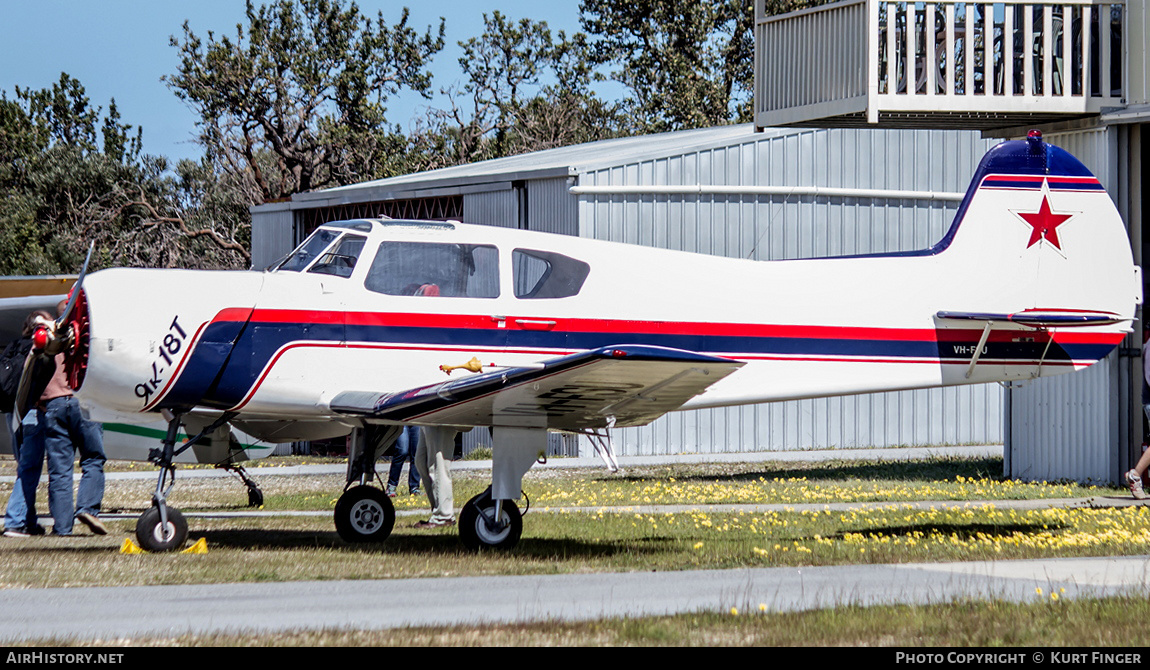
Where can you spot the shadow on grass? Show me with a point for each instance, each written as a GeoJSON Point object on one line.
{"type": "Point", "coordinates": [441, 543]}
{"type": "Point", "coordinates": [934, 470]}
{"type": "Point", "coordinates": [965, 531]}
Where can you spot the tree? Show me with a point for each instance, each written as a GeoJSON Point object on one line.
{"type": "Point", "coordinates": [523, 90]}
{"type": "Point", "coordinates": [686, 64]}
{"type": "Point", "coordinates": [71, 174]}
{"type": "Point", "coordinates": [297, 100]}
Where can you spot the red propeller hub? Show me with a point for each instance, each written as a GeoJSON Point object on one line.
{"type": "Point", "coordinates": [40, 338]}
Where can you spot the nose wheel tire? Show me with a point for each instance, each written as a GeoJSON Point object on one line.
{"type": "Point", "coordinates": [479, 529]}
{"type": "Point", "coordinates": [156, 536]}
{"type": "Point", "coordinates": [364, 514]}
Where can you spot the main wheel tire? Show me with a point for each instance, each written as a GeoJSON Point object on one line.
{"type": "Point", "coordinates": [154, 536]}
{"type": "Point", "coordinates": [364, 514]}
{"type": "Point", "coordinates": [473, 529]}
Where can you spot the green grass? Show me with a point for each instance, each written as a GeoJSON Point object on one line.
{"type": "Point", "coordinates": [298, 548]}
{"type": "Point", "coordinates": [1115, 624]}
{"type": "Point", "coordinates": [706, 484]}
{"type": "Point", "coordinates": [611, 535]}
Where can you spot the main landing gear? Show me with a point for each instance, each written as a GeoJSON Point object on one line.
{"type": "Point", "coordinates": [364, 513]}
{"type": "Point", "coordinates": [485, 523]}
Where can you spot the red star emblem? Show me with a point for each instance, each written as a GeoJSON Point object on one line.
{"type": "Point", "coordinates": [1045, 224]}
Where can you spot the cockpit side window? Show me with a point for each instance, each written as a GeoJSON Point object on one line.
{"type": "Point", "coordinates": [340, 259]}
{"type": "Point", "coordinates": [305, 253]}
{"type": "Point", "coordinates": [545, 274]}
{"type": "Point", "coordinates": [435, 269]}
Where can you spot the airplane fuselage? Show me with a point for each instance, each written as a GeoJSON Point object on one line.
{"type": "Point", "coordinates": [282, 343]}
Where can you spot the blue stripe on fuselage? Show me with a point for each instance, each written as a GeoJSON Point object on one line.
{"type": "Point", "coordinates": [260, 342]}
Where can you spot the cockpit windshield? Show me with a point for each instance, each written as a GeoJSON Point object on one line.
{"type": "Point", "coordinates": [340, 259]}
{"type": "Point", "coordinates": [307, 252]}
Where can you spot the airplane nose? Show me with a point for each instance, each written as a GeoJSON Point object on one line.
{"type": "Point", "coordinates": [150, 339]}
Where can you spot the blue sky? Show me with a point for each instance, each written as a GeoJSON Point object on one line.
{"type": "Point", "coordinates": [119, 49]}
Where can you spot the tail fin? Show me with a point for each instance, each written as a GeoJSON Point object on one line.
{"type": "Point", "coordinates": [1041, 245]}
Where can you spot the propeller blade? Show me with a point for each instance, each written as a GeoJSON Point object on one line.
{"type": "Point", "coordinates": [22, 405]}
{"type": "Point", "coordinates": [76, 287]}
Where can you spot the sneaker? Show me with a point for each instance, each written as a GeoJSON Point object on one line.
{"type": "Point", "coordinates": [1134, 483]}
{"type": "Point", "coordinates": [390, 491]}
{"type": "Point", "coordinates": [16, 532]}
{"type": "Point", "coordinates": [430, 523]}
{"type": "Point", "coordinates": [93, 524]}
{"type": "Point", "coordinates": [415, 492]}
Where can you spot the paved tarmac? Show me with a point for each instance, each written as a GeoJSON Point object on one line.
{"type": "Point", "coordinates": [107, 613]}
{"type": "Point", "coordinates": [113, 613]}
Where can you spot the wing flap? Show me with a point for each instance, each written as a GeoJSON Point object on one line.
{"type": "Point", "coordinates": [626, 385]}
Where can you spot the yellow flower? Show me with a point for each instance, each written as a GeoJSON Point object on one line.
{"type": "Point", "coordinates": [698, 545]}
{"type": "Point", "coordinates": [734, 611]}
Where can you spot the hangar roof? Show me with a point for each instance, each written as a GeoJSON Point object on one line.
{"type": "Point", "coordinates": [560, 162]}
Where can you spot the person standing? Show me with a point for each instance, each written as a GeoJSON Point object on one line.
{"type": "Point", "coordinates": [16, 520]}
{"type": "Point", "coordinates": [60, 430]}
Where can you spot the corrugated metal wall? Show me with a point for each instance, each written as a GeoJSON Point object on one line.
{"type": "Point", "coordinates": [769, 228]}
{"type": "Point", "coordinates": [551, 208]}
{"type": "Point", "coordinates": [1066, 427]}
{"type": "Point", "coordinates": [272, 235]}
{"type": "Point", "coordinates": [493, 208]}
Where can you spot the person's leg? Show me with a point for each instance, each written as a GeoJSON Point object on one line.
{"type": "Point", "coordinates": [90, 495]}
{"type": "Point", "coordinates": [1134, 476]}
{"type": "Point", "coordinates": [437, 472]}
{"type": "Point", "coordinates": [61, 456]}
{"type": "Point", "coordinates": [16, 512]}
{"type": "Point", "coordinates": [403, 451]}
{"type": "Point", "coordinates": [31, 464]}
{"type": "Point", "coordinates": [422, 456]}
{"type": "Point", "coordinates": [412, 472]}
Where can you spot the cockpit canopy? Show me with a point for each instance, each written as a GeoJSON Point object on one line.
{"type": "Point", "coordinates": [433, 268]}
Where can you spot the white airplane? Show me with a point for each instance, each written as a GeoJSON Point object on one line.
{"type": "Point", "coordinates": [348, 334]}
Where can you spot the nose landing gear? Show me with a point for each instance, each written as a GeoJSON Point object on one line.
{"type": "Point", "coordinates": [157, 534]}
{"type": "Point", "coordinates": [163, 528]}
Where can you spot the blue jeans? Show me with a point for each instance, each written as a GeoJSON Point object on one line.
{"type": "Point", "coordinates": [16, 514]}
{"type": "Point", "coordinates": [60, 430]}
{"type": "Point", "coordinates": [405, 446]}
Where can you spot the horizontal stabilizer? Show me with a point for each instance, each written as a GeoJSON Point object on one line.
{"type": "Point", "coordinates": [624, 385]}
{"type": "Point", "coordinates": [1041, 318]}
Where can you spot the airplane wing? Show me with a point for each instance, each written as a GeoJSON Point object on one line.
{"type": "Point", "coordinates": [625, 385]}
{"type": "Point", "coordinates": [20, 296]}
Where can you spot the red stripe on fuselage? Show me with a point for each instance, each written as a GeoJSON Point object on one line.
{"type": "Point", "coordinates": [579, 325]}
